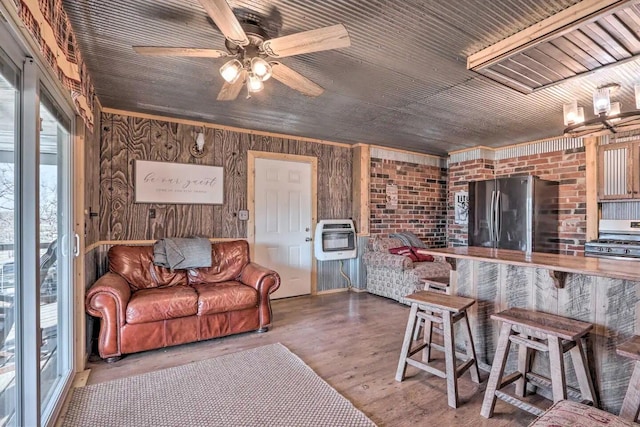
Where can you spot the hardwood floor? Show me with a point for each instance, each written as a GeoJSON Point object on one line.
{"type": "Point", "coordinates": [352, 341]}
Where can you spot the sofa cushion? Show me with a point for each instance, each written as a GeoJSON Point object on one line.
{"type": "Point", "coordinates": [226, 296]}
{"type": "Point", "coordinates": [227, 261]}
{"type": "Point", "coordinates": [431, 269]}
{"type": "Point", "coordinates": [149, 305]}
{"type": "Point", "coordinates": [135, 265]}
{"type": "Point", "coordinates": [404, 251]}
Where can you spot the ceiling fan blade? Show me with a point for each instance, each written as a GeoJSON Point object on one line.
{"type": "Point", "coordinates": [294, 80]}
{"type": "Point", "coordinates": [326, 38]}
{"type": "Point", "coordinates": [180, 51]}
{"type": "Point", "coordinates": [226, 21]}
{"type": "Point", "coordinates": [230, 91]}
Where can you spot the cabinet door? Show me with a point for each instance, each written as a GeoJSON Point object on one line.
{"type": "Point", "coordinates": [615, 172]}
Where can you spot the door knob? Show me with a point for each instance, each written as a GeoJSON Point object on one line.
{"type": "Point", "coordinates": [308, 239]}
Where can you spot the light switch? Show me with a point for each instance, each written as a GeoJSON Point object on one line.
{"type": "Point", "coordinates": [243, 215]}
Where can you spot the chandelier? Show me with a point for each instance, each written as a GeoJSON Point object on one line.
{"type": "Point", "coordinates": [608, 114]}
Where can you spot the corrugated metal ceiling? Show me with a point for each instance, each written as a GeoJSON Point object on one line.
{"type": "Point", "coordinates": [403, 82]}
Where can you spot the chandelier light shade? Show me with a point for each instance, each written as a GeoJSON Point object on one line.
{"type": "Point", "coordinates": [572, 113]}
{"type": "Point", "coordinates": [609, 117]}
{"type": "Point", "coordinates": [601, 102]}
{"type": "Point", "coordinates": [231, 71]}
{"type": "Point", "coordinates": [261, 68]}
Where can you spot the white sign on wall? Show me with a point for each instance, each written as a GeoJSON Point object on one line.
{"type": "Point", "coordinates": [179, 183]}
{"type": "Point", "coordinates": [392, 196]}
{"type": "Point", "coordinates": [461, 207]}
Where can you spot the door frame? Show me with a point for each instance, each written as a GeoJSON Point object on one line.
{"type": "Point", "coordinates": [252, 155]}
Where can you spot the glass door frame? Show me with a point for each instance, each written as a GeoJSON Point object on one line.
{"type": "Point", "coordinates": [27, 319]}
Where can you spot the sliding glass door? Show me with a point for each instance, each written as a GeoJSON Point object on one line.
{"type": "Point", "coordinates": [54, 247]}
{"type": "Point", "coordinates": [9, 125]}
{"type": "Point", "coordinates": [36, 240]}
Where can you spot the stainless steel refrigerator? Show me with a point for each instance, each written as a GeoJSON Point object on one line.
{"type": "Point", "coordinates": [518, 213]}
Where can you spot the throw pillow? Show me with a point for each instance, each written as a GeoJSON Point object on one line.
{"type": "Point", "coordinates": [404, 251]}
{"type": "Point", "coordinates": [421, 256]}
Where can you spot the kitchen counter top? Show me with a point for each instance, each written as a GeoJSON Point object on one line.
{"type": "Point", "coordinates": [616, 269]}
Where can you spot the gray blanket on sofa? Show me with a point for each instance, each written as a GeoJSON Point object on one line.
{"type": "Point", "coordinates": [182, 253]}
{"type": "Point", "coordinates": [409, 239]}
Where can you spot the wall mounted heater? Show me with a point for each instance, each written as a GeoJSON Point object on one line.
{"type": "Point", "coordinates": [335, 239]}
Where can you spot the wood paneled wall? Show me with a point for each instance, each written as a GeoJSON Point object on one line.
{"type": "Point", "coordinates": [126, 138]}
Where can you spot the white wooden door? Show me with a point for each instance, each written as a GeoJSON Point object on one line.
{"type": "Point", "coordinates": [283, 228]}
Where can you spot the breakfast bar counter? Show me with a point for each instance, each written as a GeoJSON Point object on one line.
{"type": "Point", "coordinates": [604, 292]}
{"type": "Point", "coordinates": [604, 267]}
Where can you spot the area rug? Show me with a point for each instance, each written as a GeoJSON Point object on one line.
{"type": "Point", "coordinates": [264, 386]}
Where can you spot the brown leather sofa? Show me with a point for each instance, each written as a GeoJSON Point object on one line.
{"type": "Point", "coordinates": [143, 306]}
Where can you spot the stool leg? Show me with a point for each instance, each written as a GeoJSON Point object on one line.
{"type": "Point", "coordinates": [582, 373]}
{"type": "Point", "coordinates": [450, 359]}
{"type": "Point", "coordinates": [427, 338]}
{"type": "Point", "coordinates": [497, 369]}
{"type": "Point", "coordinates": [471, 350]}
{"type": "Point", "coordinates": [631, 403]}
{"type": "Point", "coordinates": [524, 366]}
{"type": "Point", "coordinates": [406, 344]}
{"type": "Point", "coordinates": [416, 333]}
{"type": "Point", "coordinates": [556, 362]}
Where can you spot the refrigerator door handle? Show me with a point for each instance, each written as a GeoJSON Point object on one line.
{"type": "Point", "coordinates": [492, 217]}
{"type": "Point", "coordinates": [498, 217]}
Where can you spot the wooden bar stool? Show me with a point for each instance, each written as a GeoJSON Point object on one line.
{"type": "Point", "coordinates": [444, 310]}
{"type": "Point", "coordinates": [435, 284]}
{"type": "Point", "coordinates": [631, 403]}
{"type": "Point", "coordinates": [540, 332]}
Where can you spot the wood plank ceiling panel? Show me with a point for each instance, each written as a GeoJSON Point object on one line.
{"type": "Point", "coordinates": [598, 42]}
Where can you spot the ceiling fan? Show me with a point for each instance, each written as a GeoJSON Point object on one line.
{"type": "Point", "coordinates": [251, 51]}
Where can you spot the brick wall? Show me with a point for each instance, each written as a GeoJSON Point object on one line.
{"type": "Point", "coordinates": [566, 167]}
{"type": "Point", "coordinates": [421, 200]}
{"type": "Point", "coordinates": [459, 175]}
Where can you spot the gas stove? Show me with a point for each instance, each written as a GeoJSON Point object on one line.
{"type": "Point", "coordinates": [617, 239]}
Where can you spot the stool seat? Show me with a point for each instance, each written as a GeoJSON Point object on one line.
{"type": "Point", "coordinates": [445, 311]}
{"type": "Point", "coordinates": [545, 323]}
{"type": "Point", "coordinates": [567, 413]}
{"type": "Point", "coordinates": [631, 404]}
{"type": "Point", "coordinates": [543, 332]}
{"type": "Point", "coordinates": [630, 348]}
{"type": "Point", "coordinates": [436, 283]}
{"type": "Point", "coordinates": [452, 303]}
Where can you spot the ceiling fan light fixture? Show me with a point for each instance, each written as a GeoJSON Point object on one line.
{"type": "Point", "coordinates": [231, 70]}
{"type": "Point", "coordinates": [254, 83]}
{"type": "Point", "coordinates": [261, 68]}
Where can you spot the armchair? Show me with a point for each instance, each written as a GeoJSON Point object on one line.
{"type": "Point", "coordinates": [395, 276]}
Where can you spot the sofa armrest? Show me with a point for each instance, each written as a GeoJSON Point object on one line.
{"type": "Point", "coordinates": [392, 261]}
{"type": "Point", "coordinates": [108, 299]}
{"type": "Point", "coordinates": [265, 281]}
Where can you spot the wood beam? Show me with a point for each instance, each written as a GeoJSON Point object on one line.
{"type": "Point", "coordinates": [552, 27]}
{"type": "Point", "coordinates": [591, 151]}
